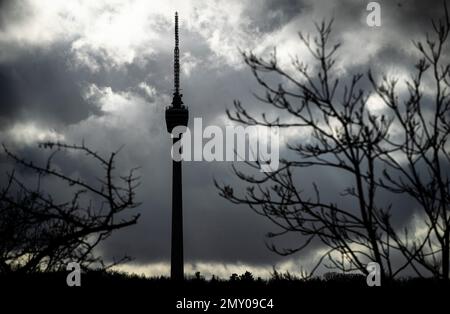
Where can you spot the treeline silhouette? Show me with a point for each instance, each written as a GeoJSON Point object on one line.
{"type": "Point", "coordinates": [102, 278]}
{"type": "Point", "coordinates": [121, 291]}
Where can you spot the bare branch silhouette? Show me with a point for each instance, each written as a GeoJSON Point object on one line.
{"type": "Point", "coordinates": [418, 158]}
{"type": "Point", "coordinates": [40, 233]}
{"type": "Point", "coordinates": [348, 138]}
{"type": "Point", "coordinates": [344, 136]}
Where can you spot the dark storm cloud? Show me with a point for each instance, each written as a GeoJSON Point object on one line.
{"type": "Point", "coordinates": [41, 84]}
{"type": "Point", "coordinates": [414, 15]}
{"type": "Point", "coordinates": [214, 229]}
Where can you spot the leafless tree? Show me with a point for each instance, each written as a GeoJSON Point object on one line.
{"type": "Point", "coordinates": [343, 137]}
{"type": "Point", "coordinates": [404, 150]}
{"type": "Point", "coordinates": [39, 232]}
{"type": "Point", "coordinates": [418, 158]}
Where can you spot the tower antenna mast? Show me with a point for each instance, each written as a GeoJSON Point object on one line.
{"type": "Point", "coordinates": [176, 64]}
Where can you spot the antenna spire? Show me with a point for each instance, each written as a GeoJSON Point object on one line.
{"type": "Point", "coordinates": [176, 66]}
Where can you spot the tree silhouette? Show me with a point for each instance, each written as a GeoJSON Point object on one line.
{"type": "Point", "coordinates": [41, 233]}
{"type": "Point", "coordinates": [348, 138]}
{"type": "Point", "coordinates": [422, 122]}
{"type": "Point", "coordinates": [343, 134]}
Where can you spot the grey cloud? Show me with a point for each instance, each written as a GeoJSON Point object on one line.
{"type": "Point", "coordinates": [38, 85]}
{"type": "Point", "coordinates": [12, 12]}
{"type": "Point", "coordinates": [41, 84]}
{"type": "Point", "coordinates": [270, 15]}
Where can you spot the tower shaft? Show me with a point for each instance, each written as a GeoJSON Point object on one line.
{"type": "Point", "coordinates": [177, 260]}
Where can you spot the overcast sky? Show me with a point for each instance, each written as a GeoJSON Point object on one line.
{"type": "Point", "coordinates": [101, 71]}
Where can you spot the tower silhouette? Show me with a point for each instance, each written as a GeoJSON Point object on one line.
{"type": "Point", "coordinates": [177, 115]}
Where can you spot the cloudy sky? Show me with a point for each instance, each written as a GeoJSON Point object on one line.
{"type": "Point", "coordinates": [101, 71]}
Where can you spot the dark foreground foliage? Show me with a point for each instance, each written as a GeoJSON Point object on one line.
{"type": "Point", "coordinates": [122, 291]}
{"type": "Point", "coordinates": [110, 279]}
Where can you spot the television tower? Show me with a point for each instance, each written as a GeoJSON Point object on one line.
{"type": "Point", "coordinates": [177, 115]}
